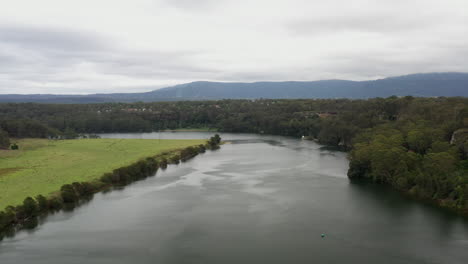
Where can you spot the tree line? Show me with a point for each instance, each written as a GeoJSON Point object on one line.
{"type": "Point", "coordinates": [331, 121]}
{"type": "Point", "coordinates": [417, 145]}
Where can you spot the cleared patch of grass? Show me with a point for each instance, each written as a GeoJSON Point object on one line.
{"type": "Point", "coordinates": [42, 166]}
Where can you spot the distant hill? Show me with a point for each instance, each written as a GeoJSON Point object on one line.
{"type": "Point", "coordinates": [424, 85]}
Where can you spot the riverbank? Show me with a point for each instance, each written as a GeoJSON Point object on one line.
{"type": "Point", "coordinates": [42, 166]}
{"type": "Point", "coordinates": [26, 214]}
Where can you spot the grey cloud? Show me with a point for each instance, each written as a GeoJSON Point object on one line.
{"type": "Point", "coordinates": [377, 23]}
{"type": "Point", "coordinates": [283, 75]}
{"type": "Point", "coordinates": [37, 48]}
{"type": "Point", "coordinates": [382, 64]}
{"type": "Point", "coordinates": [49, 38]}
{"type": "Point", "coordinates": [226, 40]}
{"type": "Point", "coordinates": [363, 65]}
{"type": "Point", "coordinates": [41, 55]}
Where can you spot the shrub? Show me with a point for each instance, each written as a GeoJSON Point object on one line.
{"type": "Point", "coordinates": [55, 203]}
{"type": "Point", "coordinates": [107, 178]}
{"type": "Point", "coordinates": [217, 138]}
{"type": "Point", "coordinates": [20, 213]}
{"type": "Point", "coordinates": [213, 143]}
{"type": "Point", "coordinates": [6, 219]}
{"type": "Point", "coordinates": [30, 207]}
{"type": "Point", "coordinates": [78, 187]}
{"type": "Point", "coordinates": [175, 159]}
{"type": "Point", "coordinates": [152, 165]}
{"type": "Point", "coordinates": [42, 203]}
{"type": "Point", "coordinates": [163, 163]}
{"type": "Point", "coordinates": [87, 188]}
{"type": "Point", "coordinates": [188, 153]}
{"type": "Point", "coordinates": [68, 194]}
{"type": "Point", "coordinates": [201, 148]}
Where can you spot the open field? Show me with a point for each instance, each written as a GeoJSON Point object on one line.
{"type": "Point", "coordinates": [42, 166]}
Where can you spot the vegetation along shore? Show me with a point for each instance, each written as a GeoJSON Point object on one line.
{"type": "Point", "coordinates": [47, 175]}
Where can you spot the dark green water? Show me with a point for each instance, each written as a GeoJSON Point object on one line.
{"type": "Point", "coordinates": [261, 199]}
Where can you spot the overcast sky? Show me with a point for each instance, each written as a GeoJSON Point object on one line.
{"type": "Point", "coordinates": [102, 46]}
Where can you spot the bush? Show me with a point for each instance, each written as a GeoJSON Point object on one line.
{"type": "Point", "coordinates": [3, 220]}
{"type": "Point", "coordinates": [152, 164]}
{"type": "Point", "coordinates": [6, 219]}
{"type": "Point", "coordinates": [79, 190]}
{"type": "Point", "coordinates": [30, 207]}
{"type": "Point", "coordinates": [188, 153]}
{"type": "Point", "coordinates": [213, 143]}
{"type": "Point", "coordinates": [107, 178]}
{"type": "Point", "coordinates": [55, 203]}
{"type": "Point", "coordinates": [42, 203]}
{"type": "Point", "coordinates": [163, 163]}
{"type": "Point", "coordinates": [20, 213]}
{"type": "Point", "coordinates": [201, 148]}
{"type": "Point", "coordinates": [88, 188]}
{"type": "Point", "coordinates": [175, 159]}
{"type": "Point", "coordinates": [67, 192]}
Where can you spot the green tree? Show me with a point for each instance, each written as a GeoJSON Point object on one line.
{"type": "Point", "coordinates": [30, 207]}
{"type": "Point", "coordinates": [419, 141]}
{"type": "Point", "coordinates": [42, 203]}
{"type": "Point", "coordinates": [68, 194]}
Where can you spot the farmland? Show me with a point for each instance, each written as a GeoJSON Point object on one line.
{"type": "Point", "coordinates": [42, 166]}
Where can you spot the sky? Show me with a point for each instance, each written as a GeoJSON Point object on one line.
{"type": "Point", "coordinates": [108, 46]}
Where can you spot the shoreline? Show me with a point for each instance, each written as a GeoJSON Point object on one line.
{"type": "Point", "coordinates": [26, 216]}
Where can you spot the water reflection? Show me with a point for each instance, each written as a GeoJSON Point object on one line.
{"type": "Point", "coordinates": [260, 199]}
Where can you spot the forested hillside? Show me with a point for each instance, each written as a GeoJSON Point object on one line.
{"type": "Point", "coordinates": [422, 85]}
{"type": "Point", "coordinates": [417, 145]}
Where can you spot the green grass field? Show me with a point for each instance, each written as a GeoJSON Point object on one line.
{"type": "Point", "coordinates": [42, 166]}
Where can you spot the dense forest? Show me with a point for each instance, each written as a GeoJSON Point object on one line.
{"type": "Point", "coordinates": [417, 145]}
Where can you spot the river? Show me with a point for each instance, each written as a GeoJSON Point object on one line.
{"type": "Point", "coordinates": [259, 199]}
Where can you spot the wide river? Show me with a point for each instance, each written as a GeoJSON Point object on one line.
{"type": "Point", "coordinates": [259, 199]}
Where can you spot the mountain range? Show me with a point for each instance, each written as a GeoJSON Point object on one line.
{"type": "Point", "coordinates": [423, 85]}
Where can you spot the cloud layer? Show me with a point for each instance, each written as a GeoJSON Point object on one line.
{"type": "Point", "coordinates": [54, 46]}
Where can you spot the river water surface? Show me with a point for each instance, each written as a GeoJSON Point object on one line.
{"type": "Point", "coordinates": [259, 199]}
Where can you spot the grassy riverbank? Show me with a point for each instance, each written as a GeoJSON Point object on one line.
{"type": "Point", "coordinates": [42, 166]}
